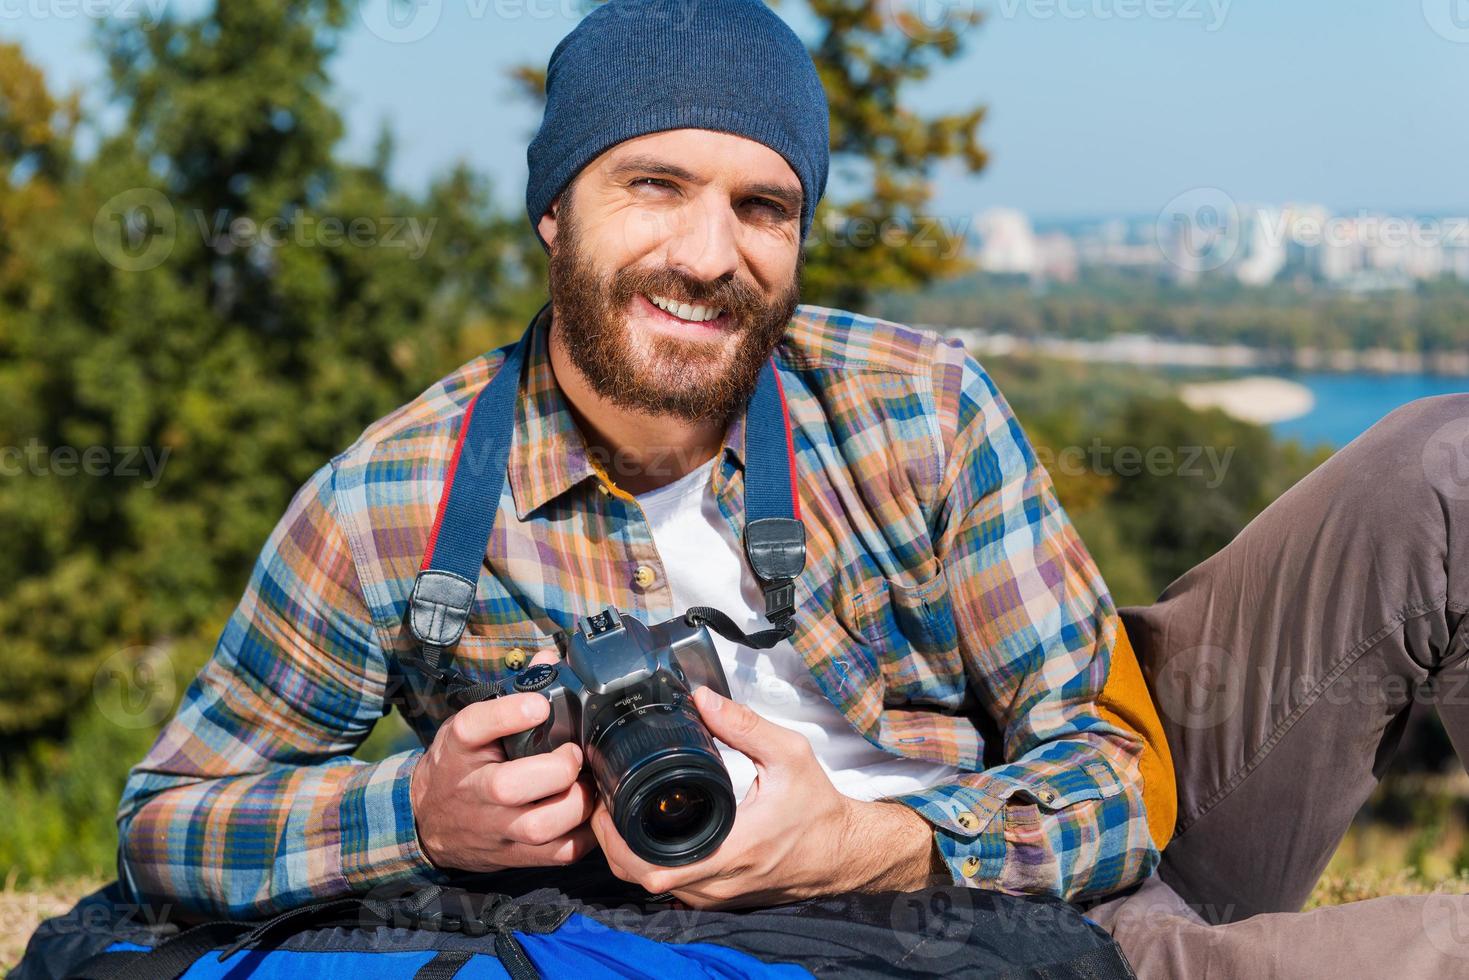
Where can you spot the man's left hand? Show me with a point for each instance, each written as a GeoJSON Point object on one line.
{"type": "Point", "coordinates": [794, 836]}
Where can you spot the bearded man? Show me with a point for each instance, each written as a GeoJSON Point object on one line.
{"type": "Point", "coordinates": [957, 701]}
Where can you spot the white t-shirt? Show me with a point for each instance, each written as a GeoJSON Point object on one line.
{"type": "Point", "coordinates": [706, 566]}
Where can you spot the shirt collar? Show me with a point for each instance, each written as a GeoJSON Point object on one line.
{"type": "Point", "coordinates": [548, 454]}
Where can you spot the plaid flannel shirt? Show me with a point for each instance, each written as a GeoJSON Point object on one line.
{"type": "Point", "coordinates": [948, 609]}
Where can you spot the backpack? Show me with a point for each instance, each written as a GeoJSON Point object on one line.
{"type": "Point", "coordinates": [580, 922]}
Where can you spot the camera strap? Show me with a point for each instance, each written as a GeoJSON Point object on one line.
{"type": "Point", "coordinates": [444, 590]}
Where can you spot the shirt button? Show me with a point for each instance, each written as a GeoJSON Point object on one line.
{"type": "Point", "coordinates": [970, 867]}
{"type": "Point", "coordinates": [645, 577]}
{"type": "Point", "coordinates": [1046, 796]}
{"type": "Point", "coordinates": [515, 659]}
{"type": "Point", "coordinates": [968, 820]}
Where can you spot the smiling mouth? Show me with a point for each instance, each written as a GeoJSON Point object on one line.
{"type": "Point", "coordinates": [692, 312]}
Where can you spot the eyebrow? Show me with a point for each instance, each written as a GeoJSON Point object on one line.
{"type": "Point", "coordinates": [788, 196]}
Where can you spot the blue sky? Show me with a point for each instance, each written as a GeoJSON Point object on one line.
{"type": "Point", "coordinates": [1096, 106]}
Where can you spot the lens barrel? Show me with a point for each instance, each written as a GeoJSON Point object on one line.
{"type": "Point", "coordinates": [661, 775]}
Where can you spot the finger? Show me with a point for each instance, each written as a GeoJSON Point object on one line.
{"type": "Point", "coordinates": [765, 742]}
{"type": "Point", "coordinates": [566, 849]}
{"type": "Point", "coordinates": [629, 867]}
{"type": "Point", "coordinates": [479, 724]}
{"type": "Point", "coordinates": [551, 656]}
{"type": "Point", "coordinates": [525, 780]}
{"type": "Point", "coordinates": [545, 821]}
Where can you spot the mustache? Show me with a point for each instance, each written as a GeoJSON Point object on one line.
{"type": "Point", "coordinates": [734, 295]}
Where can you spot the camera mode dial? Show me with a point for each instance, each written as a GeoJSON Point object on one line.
{"type": "Point", "coordinates": [537, 677]}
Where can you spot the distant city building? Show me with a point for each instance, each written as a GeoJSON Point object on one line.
{"type": "Point", "coordinates": [1261, 245]}
{"type": "Point", "coordinates": [1007, 242]}
{"type": "Point", "coordinates": [1264, 249]}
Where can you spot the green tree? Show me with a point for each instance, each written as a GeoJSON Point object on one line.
{"type": "Point", "coordinates": [215, 304]}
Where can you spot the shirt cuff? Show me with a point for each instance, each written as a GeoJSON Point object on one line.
{"type": "Point", "coordinates": [970, 839]}
{"type": "Point", "coordinates": [379, 836]}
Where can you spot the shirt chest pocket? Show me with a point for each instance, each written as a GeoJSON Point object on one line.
{"type": "Point", "coordinates": [908, 621]}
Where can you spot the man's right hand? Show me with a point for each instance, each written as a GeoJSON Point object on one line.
{"type": "Point", "coordinates": [476, 811]}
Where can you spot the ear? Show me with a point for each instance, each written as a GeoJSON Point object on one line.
{"type": "Point", "coordinates": [547, 225]}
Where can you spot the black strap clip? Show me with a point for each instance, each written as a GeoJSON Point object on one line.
{"type": "Point", "coordinates": [776, 549]}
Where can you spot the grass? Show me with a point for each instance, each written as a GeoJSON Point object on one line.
{"type": "Point", "coordinates": [22, 909]}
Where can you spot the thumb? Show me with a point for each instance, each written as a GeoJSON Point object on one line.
{"type": "Point", "coordinates": [743, 730]}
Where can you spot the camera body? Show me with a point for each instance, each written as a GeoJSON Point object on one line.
{"type": "Point", "coordinates": [624, 692]}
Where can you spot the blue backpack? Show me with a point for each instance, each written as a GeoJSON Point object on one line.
{"type": "Point", "coordinates": [592, 926]}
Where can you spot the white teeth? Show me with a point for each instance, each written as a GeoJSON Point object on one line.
{"type": "Point", "coordinates": [685, 311]}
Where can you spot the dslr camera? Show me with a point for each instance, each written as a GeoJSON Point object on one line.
{"type": "Point", "coordinates": [623, 691]}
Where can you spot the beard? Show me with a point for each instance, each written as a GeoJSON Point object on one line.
{"type": "Point", "coordinates": [693, 380]}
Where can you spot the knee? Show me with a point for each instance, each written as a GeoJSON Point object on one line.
{"type": "Point", "coordinates": [1426, 415]}
{"type": "Point", "coordinates": [1427, 442]}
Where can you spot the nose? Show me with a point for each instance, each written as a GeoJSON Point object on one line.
{"type": "Point", "coordinates": [703, 245]}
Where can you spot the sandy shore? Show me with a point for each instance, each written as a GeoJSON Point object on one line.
{"type": "Point", "coordinates": [1259, 399]}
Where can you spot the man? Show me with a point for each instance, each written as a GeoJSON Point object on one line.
{"type": "Point", "coordinates": [958, 702]}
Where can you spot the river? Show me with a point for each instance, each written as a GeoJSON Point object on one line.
{"type": "Point", "coordinates": [1347, 404]}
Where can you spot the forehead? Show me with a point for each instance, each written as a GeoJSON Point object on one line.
{"type": "Point", "coordinates": [712, 155]}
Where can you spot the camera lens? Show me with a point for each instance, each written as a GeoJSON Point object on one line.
{"type": "Point", "coordinates": [662, 777]}
{"type": "Point", "coordinates": [676, 813]}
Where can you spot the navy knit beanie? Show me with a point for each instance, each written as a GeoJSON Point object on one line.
{"type": "Point", "coordinates": [633, 67]}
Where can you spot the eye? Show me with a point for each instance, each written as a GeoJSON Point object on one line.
{"type": "Point", "coordinates": [773, 209]}
{"type": "Point", "coordinates": [650, 182]}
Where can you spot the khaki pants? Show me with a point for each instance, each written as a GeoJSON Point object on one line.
{"type": "Point", "coordinates": [1283, 668]}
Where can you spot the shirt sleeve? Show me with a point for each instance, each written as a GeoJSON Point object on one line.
{"type": "Point", "coordinates": [248, 803]}
{"type": "Point", "coordinates": [1063, 813]}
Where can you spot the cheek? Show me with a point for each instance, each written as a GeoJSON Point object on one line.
{"type": "Point", "coordinates": [771, 257]}
{"type": "Point", "coordinates": [635, 233]}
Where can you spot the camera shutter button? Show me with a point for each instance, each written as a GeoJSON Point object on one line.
{"type": "Point", "coordinates": [537, 677]}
